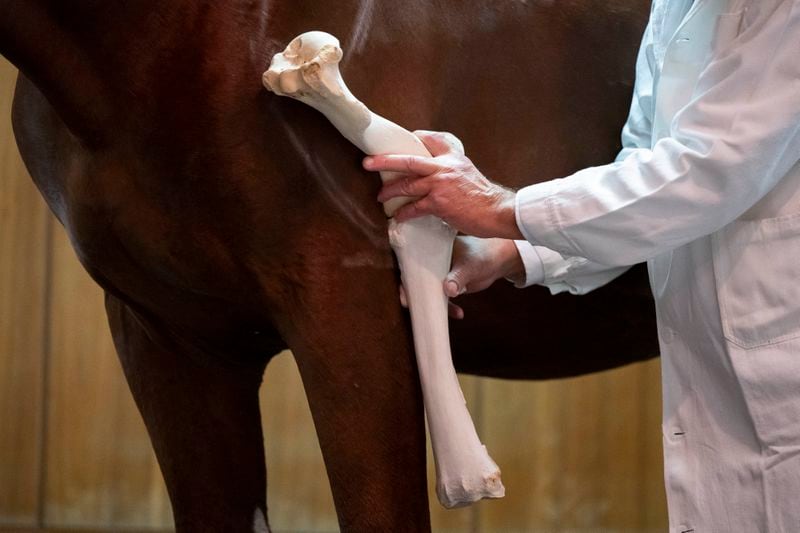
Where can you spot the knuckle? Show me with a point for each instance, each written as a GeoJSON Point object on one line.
{"type": "Point", "coordinates": [436, 198]}
{"type": "Point", "coordinates": [444, 167]}
{"type": "Point", "coordinates": [449, 138]}
{"type": "Point", "coordinates": [462, 163]}
{"type": "Point", "coordinates": [457, 163]}
{"type": "Point", "coordinates": [452, 141]}
{"type": "Point", "coordinates": [391, 189]}
{"type": "Point", "coordinates": [423, 206]}
{"type": "Point", "coordinates": [447, 180]}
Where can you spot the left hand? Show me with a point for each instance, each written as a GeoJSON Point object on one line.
{"type": "Point", "coordinates": [448, 185]}
{"type": "Point", "coordinates": [477, 264]}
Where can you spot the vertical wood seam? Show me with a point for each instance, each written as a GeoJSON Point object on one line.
{"type": "Point", "coordinates": [602, 464]}
{"type": "Point", "coordinates": [646, 449]}
{"type": "Point", "coordinates": [559, 490]}
{"type": "Point", "coordinates": [475, 514]}
{"type": "Point", "coordinates": [641, 393]}
{"type": "Point", "coordinates": [41, 503]}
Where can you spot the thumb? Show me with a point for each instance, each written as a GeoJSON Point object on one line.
{"type": "Point", "coordinates": [455, 284]}
{"type": "Point", "coordinates": [440, 143]}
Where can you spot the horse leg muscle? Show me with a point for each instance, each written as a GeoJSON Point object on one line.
{"type": "Point", "coordinates": [352, 348]}
{"type": "Point", "coordinates": [204, 422]}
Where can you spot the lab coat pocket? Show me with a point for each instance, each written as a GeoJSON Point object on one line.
{"type": "Point", "coordinates": [757, 268]}
{"type": "Point", "coordinates": [728, 27]}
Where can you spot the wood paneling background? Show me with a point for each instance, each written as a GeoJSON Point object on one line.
{"type": "Point", "coordinates": [576, 455]}
{"type": "Point", "coordinates": [23, 260]}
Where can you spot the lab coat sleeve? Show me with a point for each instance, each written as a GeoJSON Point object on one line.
{"type": "Point", "coordinates": [728, 147]}
{"type": "Point", "coordinates": [638, 130]}
{"type": "Point", "coordinates": [578, 275]}
{"type": "Point", "coordinates": [575, 275]}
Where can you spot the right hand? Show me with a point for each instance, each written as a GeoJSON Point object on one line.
{"type": "Point", "coordinates": [449, 186]}
{"type": "Point", "coordinates": [477, 263]}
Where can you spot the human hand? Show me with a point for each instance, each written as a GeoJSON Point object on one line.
{"type": "Point", "coordinates": [449, 186]}
{"type": "Point", "coordinates": [477, 264]}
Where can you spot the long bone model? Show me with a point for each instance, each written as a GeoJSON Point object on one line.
{"type": "Point", "coordinates": [308, 70]}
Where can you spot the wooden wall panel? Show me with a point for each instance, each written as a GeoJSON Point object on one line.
{"type": "Point", "coordinates": [101, 470]}
{"type": "Point", "coordinates": [22, 291]}
{"type": "Point", "coordinates": [299, 497]}
{"type": "Point", "coordinates": [577, 454]}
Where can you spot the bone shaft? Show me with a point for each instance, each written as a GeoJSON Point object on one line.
{"type": "Point", "coordinates": [381, 137]}
{"type": "Point", "coordinates": [422, 275]}
{"type": "Point", "coordinates": [465, 471]}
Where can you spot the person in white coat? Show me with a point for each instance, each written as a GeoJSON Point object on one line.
{"type": "Point", "coordinates": [707, 191]}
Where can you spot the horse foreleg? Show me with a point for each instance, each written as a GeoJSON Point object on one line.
{"type": "Point", "coordinates": [204, 422]}
{"type": "Point", "coordinates": [351, 344]}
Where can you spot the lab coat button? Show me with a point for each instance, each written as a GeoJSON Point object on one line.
{"type": "Point", "coordinates": [668, 335]}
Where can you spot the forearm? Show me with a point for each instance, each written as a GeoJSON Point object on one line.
{"type": "Point", "coordinates": [731, 143]}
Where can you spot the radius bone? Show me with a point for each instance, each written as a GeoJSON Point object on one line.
{"type": "Point", "coordinates": [308, 71]}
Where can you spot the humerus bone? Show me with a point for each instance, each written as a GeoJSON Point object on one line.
{"type": "Point", "coordinates": [308, 70]}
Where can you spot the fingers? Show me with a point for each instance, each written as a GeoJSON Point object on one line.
{"type": "Point", "coordinates": [453, 289]}
{"type": "Point", "coordinates": [403, 164]}
{"type": "Point", "coordinates": [455, 284]}
{"type": "Point", "coordinates": [455, 311]}
{"type": "Point", "coordinates": [416, 209]}
{"type": "Point", "coordinates": [440, 143]}
{"type": "Point", "coordinates": [406, 186]}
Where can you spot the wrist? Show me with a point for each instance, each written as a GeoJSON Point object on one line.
{"type": "Point", "coordinates": [512, 266]}
{"type": "Point", "coordinates": [507, 217]}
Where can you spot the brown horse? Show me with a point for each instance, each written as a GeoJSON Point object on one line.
{"type": "Point", "coordinates": [225, 223]}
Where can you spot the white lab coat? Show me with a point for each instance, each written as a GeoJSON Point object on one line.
{"type": "Point", "coordinates": [707, 191]}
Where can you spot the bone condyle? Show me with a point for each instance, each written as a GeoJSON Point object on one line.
{"type": "Point", "coordinates": [308, 71]}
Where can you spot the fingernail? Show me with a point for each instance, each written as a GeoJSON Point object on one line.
{"type": "Point", "coordinates": [368, 162]}
{"type": "Point", "coordinates": [452, 289]}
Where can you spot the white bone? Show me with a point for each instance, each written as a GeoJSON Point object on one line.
{"type": "Point", "coordinates": [308, 70]}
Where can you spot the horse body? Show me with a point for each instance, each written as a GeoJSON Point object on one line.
{"type": "Point", "coordinates": [226, 224]}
